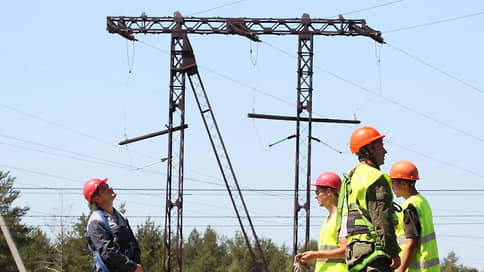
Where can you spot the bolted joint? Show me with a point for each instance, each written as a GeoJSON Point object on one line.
{"type": "Point", "coordinates": [169, 204]}
{"type": "Point", "coordinates": [306, 206]}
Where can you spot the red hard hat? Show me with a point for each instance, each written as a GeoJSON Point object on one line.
{"type": "Point", "coordinates": [90, 187]}
{"type": "Point", "coordinates": [328, 179]}
{"type": "Point", "coordinates": [363, 136]}
{"type": "Point", "coordinates": [404, 170]}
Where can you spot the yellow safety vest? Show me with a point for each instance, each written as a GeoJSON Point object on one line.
{"type": "Point", "coordinates": [427, 256]}
{"type": "Point", "coordinates": [360, 229]}
{"type": "Point", "coordinates": [328, 240]}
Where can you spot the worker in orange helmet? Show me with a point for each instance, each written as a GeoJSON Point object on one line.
{"type": "Point", "coordinates": [415, 231]}
{"type": "Point", "coordinates": [372, 244]}
{"type": "Point", "coordinates": [108, 233]}
{"type": "Point", "coordinates": [331, 254]}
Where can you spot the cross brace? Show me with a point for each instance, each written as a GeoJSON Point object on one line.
{"type": "Point", "coordinates": [249, 27]}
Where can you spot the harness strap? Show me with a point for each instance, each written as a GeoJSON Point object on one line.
{"type": "Point", "coordinates": [98, 261]}
{"type": "Point", "coordinates": [342, 197]}
{"type": "Point", "coordinates": [106, 223]}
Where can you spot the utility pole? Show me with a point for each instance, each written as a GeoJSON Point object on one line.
{"type": "Point", "coordinates": [11, 245]}
{"type": "Point", "coordinates": [179, 26]}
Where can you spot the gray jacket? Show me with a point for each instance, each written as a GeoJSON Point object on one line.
{"type": "Point", "coordinates": [119, 254]}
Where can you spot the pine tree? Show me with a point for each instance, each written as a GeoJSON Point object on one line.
{"type": "Point", "coordinates": [33, 245]}
{"type": "Point", "coordinates": [150, 239]}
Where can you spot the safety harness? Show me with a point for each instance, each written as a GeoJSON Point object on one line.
{"type": "Point", "coordinates": [98, 261]}
{"type": "Point", "coordinates": [360, 226]}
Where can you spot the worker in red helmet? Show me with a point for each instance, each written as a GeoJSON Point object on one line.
{"type": "Point", "coordinates": [372, 244]}
{"type": "Point", "coordinates": [108, 233]}
{"type": "Point", "coordinates": [415, 231]}
{"type": "Point", "coordinates": [331, 254]}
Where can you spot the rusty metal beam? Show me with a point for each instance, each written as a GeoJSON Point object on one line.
{"type": "Point", "coordinates": [128, 26]}
{"type": "Point", "coordinates": [151, 135]}
{"type": "Point", "coordinates": [304, 119]}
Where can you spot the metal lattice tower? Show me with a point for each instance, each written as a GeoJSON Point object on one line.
{"type": "Point", "coordinates": [183, 64]}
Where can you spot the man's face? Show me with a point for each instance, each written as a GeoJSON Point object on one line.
{"type": "Point", "coordinates": [399, 187]}
{"type": "Point", "coordinates": [378, 151]}
{"type": "Point", "coordinates": [104, 193]}
{"type": "Point", "coordinates": [322, 195]}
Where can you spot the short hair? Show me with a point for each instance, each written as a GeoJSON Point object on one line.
{"type": "Point", "coordinates": [335, 191]}
{"type": "Point", "coordinates": [364, 152]}
{"type": "Point", "coordinates": [409, 181]}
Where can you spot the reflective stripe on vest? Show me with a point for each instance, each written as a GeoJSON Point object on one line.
{"type": "Point", "coordinates": [402, 240]}
{"type": "Point", "coordinates": [426, 264]}
{"type": "Point", "coordinates": [427, 256]}
{"type": "Point", "coordinates": [328, 240]}
{"type": "Point", "coordinates": [327, 247]}
{"type": "Point", "coordinates": [427, 238]}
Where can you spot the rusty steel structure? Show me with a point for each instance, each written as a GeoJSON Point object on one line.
{"type": "Point", "coordinates": [183, 65]}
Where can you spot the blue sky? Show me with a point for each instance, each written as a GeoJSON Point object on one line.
{"type": "Point", "coordinates": [68, 98]}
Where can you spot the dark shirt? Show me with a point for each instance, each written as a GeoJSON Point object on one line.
{"type": "Point", "coordinates": [411, 222]}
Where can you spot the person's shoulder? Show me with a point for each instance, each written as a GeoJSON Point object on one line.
{"type": "Point", "coordinates": [95, 222]}
{"type": "Point", "coordinates": [95, 217]}
{"type": "Point", "coordinates": [369, 171]}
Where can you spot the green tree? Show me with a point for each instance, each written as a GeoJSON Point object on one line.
{"type": "Point", "coordinates": [150, 239]}
{"type": "Point", "coordinates": [39, 254]}
{"type": "Point", "coordinates": [76, 256]}
{"type": "Point", "coordinates": [207, 253]}
{"type": "Point", "coordinates": [278, 259]}
{"type": "Point", "coordinates": [33, 245]}
{"type": "Point", "coordinates": [449, 264]}
{"type": "Point", "coordinates": [241, 258]}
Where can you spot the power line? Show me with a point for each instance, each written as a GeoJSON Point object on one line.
{"type": "Point", "coordinates": [477, 174]}
{"type": "Point", "coordinates": [426, 116]}
{"type": "Point", "coordinates": [436, 68]}
{"type": "Point", "coordinates": [344, 80]}
{"type": "Point", "coordinates": [36, 117]}
{"type": "Point", "coordinates": [341, 78]}
{"type": "Point", "coordinates": [435, 22]}
{"type": "Point", "coordinates": [218, 7]}
{"type": "Point", "coordinates": [237, 225]}
{"type": "Point", "coordinates": [40, 173]}
{"type": "Point", "coordinates": [388, 99]}
{"type": "Point", "coordinates": [62, 150]}
{"type": "Point", "coordinates": [117, 165]}
{"type": "Point", "coordinates": [241, 83]}
{"type": "Point", "coordinates": [235, 217]}
{"type": "Point", "coordinates": [224, 190]}
{"type": "Point", "coordinates": [368, 8]}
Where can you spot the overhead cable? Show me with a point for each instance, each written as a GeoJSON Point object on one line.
{"type": "Point", "coordinates": [436, 69]}
{"type": "Point", "coordinates": [434, 22]}
{"type": "Point", "coordinates": [368, 8]}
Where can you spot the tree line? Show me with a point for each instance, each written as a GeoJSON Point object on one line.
{"type": "Point", "coordinates": [202, 251]}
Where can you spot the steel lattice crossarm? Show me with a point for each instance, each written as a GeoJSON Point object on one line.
{"type": "Point", "coordinates": [249, 27]}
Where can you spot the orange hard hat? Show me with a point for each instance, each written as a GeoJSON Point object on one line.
{"type": "Point", "coordinates": [404, 170]}
{"type": "Point", "coordinates": [328, 179]}
{"type": "Point", "coordinates": [363, 136]}
{"type": "Point", "coordinates": [90, 187]}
